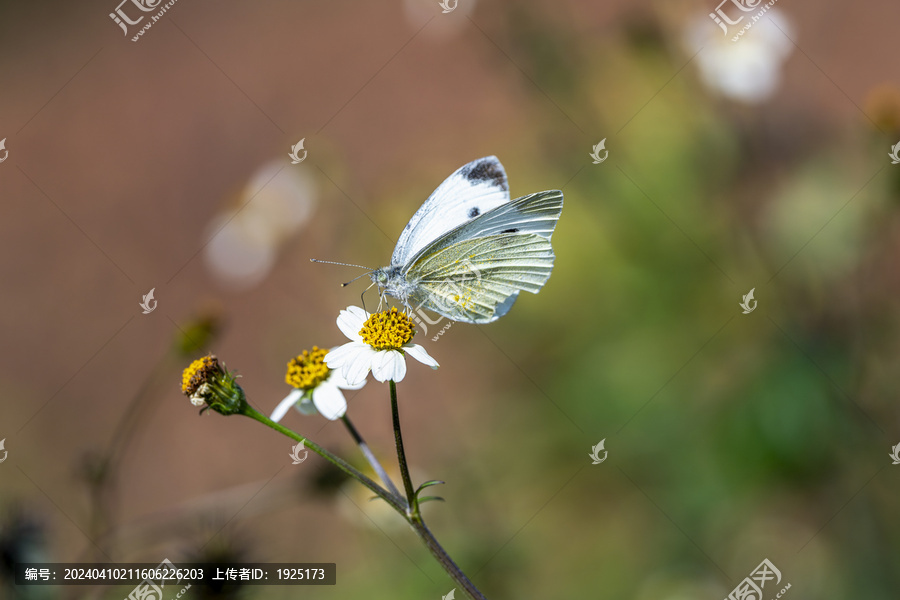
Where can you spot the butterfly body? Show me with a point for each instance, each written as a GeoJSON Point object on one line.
{"type": "Point", "coordinates": [393, 282]}
{"type": "Point", "coordinates": [469, 250]}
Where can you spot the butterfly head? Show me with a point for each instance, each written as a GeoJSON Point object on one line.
{"type": "Point", "coordinates": [393, 282]}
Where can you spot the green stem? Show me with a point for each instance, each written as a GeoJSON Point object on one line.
{"type": "Point", "coordinates": [395, 501]}
{"type": "Point", "coordinates": [401, 455]}
{"type": "Point", "coordinates": [409, 509]}
{"type": "Point", "coordinates": [370, 456]}
{"type": "Point", "coordinates": [414, 517]}
{"type": "Point", "coordinates": [438, 552]}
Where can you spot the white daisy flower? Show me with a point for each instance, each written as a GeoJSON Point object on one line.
{"type": "Point", "coordinates": [378, 343]}
{"type": "Point", "coordinates": [746, 68]}
{"type": "Point", "coordinates": [317, 388]}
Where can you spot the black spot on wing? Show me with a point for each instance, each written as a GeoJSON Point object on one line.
{"type": "Point", "coordinates": [513, 230]}
{"type": "Point", "coordinates": [486, 170]}
{"type": "Point", "coordinates": [474, 212]}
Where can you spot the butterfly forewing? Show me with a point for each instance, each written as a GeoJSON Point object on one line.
{"type": "Point", "coordinates": [477, 280]}
{"type": "Point", "coordinates": [532, 214]}
{"type": "Point", "coordinates": [471, 191]}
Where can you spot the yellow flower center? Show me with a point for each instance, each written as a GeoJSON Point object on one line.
{"type": "Point", "coordinates": [307, 370]}
{"type": "Point", "coordinates": [199, 372]}
{"type": "Point", "coordinates": [387, 330]}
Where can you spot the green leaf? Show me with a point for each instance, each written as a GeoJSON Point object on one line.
{"type": "Point", "coordinates": [429, 484]}
{"type": "Point", "coordinates": [427, 498]}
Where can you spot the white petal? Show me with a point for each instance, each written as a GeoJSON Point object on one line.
{"type": "Point", "coordinates": [285, 405]}
{"type": "Point", "coordinates": [344, 355]}
{"type": "Point", "coordinates": [418, 353]}
{"type": "Point", "coordinates": [355, 372]}
{"type": "Point", "coordinates": [337, 378]}
{"type": "Point", "coordinates": [329, 401]}
{"type": "Point", "coordinates": [350, 321]}
{"type": "Point", "coordinates": [388, 364]}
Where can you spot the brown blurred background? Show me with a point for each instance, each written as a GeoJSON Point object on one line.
{"type": "Point", "coordinates": [164, 164]}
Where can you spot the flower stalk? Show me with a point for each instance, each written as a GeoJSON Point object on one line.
{"type": "Point", "coordinates": [403, 506]}
{"type": "Point", "coordinates": [438, 552]}
{"type": "Point", "coordinates": [370, 456]}
{"type": "Point", "coordinates": [401, 455]}
{"type": "Point", "coordinates": [408, 508]}
{"type": "Point", "coordinates": [395, 501]}
{"type": "Point", "coordinates": [414, 515]}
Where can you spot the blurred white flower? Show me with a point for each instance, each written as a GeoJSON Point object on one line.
{"type": "Point", "coordinates": [246, 237]}
{"type": "Point", "coordinates": [749, 69]}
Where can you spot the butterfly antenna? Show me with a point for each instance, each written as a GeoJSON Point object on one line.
{"type": "Point", "coordinates": [355, 278]}
{"type": "Point", "coordinates": [329, 262]}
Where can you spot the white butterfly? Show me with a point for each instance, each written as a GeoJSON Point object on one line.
{"type": "Point", "coordinates": [469, 250]}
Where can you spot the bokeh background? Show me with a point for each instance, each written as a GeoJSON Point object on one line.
{"type": "Point", "coordinates": [163, 164]}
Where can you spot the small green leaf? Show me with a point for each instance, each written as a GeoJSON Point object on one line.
{"type": "Point", "coordinates": [429, 484]}
{"type": "Point", "coordinates": [427, 498]}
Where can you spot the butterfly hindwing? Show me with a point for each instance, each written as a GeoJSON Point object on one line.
{"type": "Point", "coordinates": [477, 280]}
{"type": "Point", "coordinates": [474, 189]}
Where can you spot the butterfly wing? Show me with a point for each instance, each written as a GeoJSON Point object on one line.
{"type": "Point", "coordinates": [477, 281]}
{"type": "Point", "coordinates": [475, 272]}
{"type": "Point", "coordinates": [534, 213]}
{"type": "Point", "coordinates": [472, 190]}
